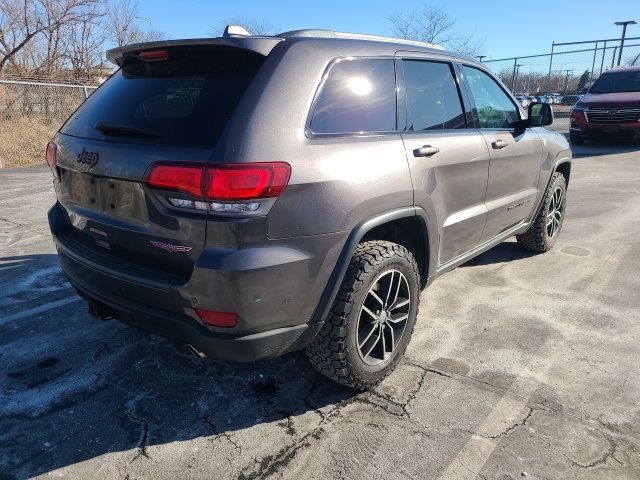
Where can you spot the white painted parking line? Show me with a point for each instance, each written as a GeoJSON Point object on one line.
{"type": "Point", "coordinates": [38, 309]}
{"type": "Point", "coordinates": [471, 459]}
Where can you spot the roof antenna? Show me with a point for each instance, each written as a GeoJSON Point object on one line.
{"type": "Point", "coordinates": [235, 31]}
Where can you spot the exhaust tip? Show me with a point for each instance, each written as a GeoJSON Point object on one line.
{"type": "Point", "coordinates": [189, 349]}
{"type": "Point", "coordinates": [101, 311]}
{"type": "Point", "coordinates": [195, 351]}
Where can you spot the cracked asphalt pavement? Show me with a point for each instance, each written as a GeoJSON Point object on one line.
{"type": "Point", "coordinates": [521, 366]}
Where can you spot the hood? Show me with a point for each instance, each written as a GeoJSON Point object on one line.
{"type": "Point", "coordinates": [606, 100]}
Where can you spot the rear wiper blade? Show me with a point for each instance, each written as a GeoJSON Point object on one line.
{"type": "Point", "coordinates": [114, 130]}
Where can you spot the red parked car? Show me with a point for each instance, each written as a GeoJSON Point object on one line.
{"type": "Point", "coordinates": [611, 108]}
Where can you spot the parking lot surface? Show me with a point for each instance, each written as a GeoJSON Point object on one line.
{"type": "Point", "coordinates": [521, 366]}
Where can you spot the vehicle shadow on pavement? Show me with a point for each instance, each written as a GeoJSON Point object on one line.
{"type": "Point", "coordinates": [75, 387]}
{"type": "Point", "coordinates": [508, 251]}
{"type": "Point", "coordinates": [604, 148]}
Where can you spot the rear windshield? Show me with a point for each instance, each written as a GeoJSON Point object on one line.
{"type": "Point", "coordinates": [183, 100]}
{"type": "Point", "coordinates": [617, 82]}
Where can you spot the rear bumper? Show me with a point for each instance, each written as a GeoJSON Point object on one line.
{"type": "Point", "coordinates": [273, 288]}
{"type": "Point", "coordinates": [180, 329]}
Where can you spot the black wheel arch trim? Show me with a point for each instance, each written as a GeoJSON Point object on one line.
{"type": "Point", "coordinates": [557, 163]}
{"type": "Point", "coordinates": [356, 235]}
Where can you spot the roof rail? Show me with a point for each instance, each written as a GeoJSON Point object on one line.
{"type": "Point", "coordinates": [319, 33]}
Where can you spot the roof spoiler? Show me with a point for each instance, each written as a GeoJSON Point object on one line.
{"type": "Point", "coordinates": [260, 45]}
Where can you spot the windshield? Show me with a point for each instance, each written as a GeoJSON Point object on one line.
{"type": "Point", "coordinates": [185, 99]}
{"type": "Point", "coordinates": [616, 82]}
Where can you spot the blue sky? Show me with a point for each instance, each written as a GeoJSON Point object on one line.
{"type": "Point", "coordinates": [509, 28]}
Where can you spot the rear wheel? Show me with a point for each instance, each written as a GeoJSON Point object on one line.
{"type": "Point", "coordinates": [545, 229]}
{"type": "Point", "coordinates": [372, 318]}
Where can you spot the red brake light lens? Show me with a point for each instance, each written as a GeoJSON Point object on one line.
{"type": "Point", "coordinates": [186, 179]}
{"type": "Point", "coordinates": [217, 319]}
{"type": "Point", "coordinates": [52, 155]}
{"type": "Point", "coordinates": [246, 181]}
{"type": "Point", "coordinates": [154, 55]}
{"type": "Point", "coordinates": [222, 182]}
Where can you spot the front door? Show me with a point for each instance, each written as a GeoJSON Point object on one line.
{"type": "Point", "coordinates": [516, 154]}
{"type": "Point", "coordinates": [449, 162]}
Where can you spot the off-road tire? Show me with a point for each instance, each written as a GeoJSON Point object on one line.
{"type": "Point", "coordinates": [334, 350]}
{"type": "Point", "coordinates": [536, 237]}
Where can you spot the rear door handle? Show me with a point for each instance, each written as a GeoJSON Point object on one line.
{"type": "Point", "coordinates": [498, 144]}
{"type": "Point", "coordinates": [425, 151]}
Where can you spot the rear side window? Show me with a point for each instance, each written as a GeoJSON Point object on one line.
{"type": "Point", "coordinates": [357, 96]}
{"type": "Point", "coordinates": [431, 96]}
{"type": "Point", "coordinates": [183, 100]}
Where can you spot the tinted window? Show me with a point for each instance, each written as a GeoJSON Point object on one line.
{"type": "Point", "coordinates": [495, 108]}
{"type": "Point", "coordinates": [358, 95]}
{"type": "Point", "coordinates": [183, 100]}
{"type": "Point", "coordinates": [615, 82]}
{"type": "Point", "coordinates": [432, 98]}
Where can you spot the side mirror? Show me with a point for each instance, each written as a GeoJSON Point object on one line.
{"type": "Point", "coordinates": [583, 91]}
{"type": "Point", "coordinates": [540, 114]}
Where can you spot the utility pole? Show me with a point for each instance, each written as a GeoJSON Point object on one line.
{"type": "Point", "coordinates": [480, 57]}
{"type": "Point", "coordinates": [513, 75]}
{"type": "Point", "coordinates": [515, 81]}
{"type": "Point", "coordinates": [624, 33]}
{"type": "Point", "coordinates": [566, 80]}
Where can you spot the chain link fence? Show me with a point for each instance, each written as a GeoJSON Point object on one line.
{"type": "Point", "coordinates": [30, 115]}
{"type": "Point", "coordinates": [567, 69]}
{"type": "Point", "coordinates": [32, 110]}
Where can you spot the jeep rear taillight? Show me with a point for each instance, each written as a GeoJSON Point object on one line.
{"type": "Point", "coordinates": [245, 181]}
{"type": "Point", "coordinates": [178, 178]}
{"type": "Point", "coordinates": [52, 157]}
{"type": "Point", "coordinates": [222, 186]}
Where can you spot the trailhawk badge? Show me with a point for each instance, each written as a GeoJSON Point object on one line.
{"type": "Point", "coordinates": [170, 248]}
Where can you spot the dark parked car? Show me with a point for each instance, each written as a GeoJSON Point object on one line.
{"type": "Point", "coordinates": [610, 109]}
{"type": "Point", "coordinates": [253, 196]}
{"type": "Point", "coordinates": [570, 100]}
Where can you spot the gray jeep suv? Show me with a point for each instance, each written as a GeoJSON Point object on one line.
{"type": "Point", "coordinates": [253, 196]}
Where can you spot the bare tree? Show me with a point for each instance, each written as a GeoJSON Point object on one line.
{"type": "Point", "coordinates": [124, 24]}
{"type": "Point", "coordinates": [24, 21]}
{"type": "Point", "coordinates": [83, 46]}
{"type": "Point", "coordinates": [432, 24]}
{"type": "Point", "coordinates": [255, 26]}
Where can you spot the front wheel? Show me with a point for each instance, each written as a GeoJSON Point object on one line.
{"type": "Point", "coordinates": [544, 230]}
{"type": "Point", "coordinates": [372, 318]}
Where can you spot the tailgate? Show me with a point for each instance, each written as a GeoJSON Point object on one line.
{"type": "Point", "coordinates": [108, 208]}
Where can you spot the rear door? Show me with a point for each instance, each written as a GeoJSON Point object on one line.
{"type": "Point", "coordinates": [171, 108]}
{"type": "Point", "coordinates": [516, 153]}
{"type": "Point", "coordinates": [449, 162]}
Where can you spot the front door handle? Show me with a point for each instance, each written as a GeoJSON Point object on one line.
{"type": "Point", "coordinates": [425, 151]}
{"type": "Point", "coordinates": [498, 144]}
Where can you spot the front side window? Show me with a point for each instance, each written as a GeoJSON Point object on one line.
{"type": "Point", "coordinates": [431, 96]}
{"type": "Point", "coordinates": [495, 108]}
{"type": "Point", "coordinates": [357, 96]}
